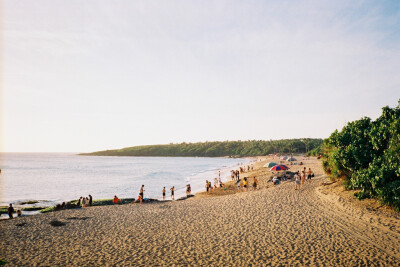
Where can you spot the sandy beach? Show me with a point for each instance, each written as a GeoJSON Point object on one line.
{"type": "Point", "coordinates": [274, 225]}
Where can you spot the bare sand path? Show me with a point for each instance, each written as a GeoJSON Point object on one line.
{"type": "Point", "coordinates": [277, 226]}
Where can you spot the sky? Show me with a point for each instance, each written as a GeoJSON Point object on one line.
{"type": "Point", "coordinates": [81, 76]}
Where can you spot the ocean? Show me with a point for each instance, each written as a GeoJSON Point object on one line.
{"type": "Point", "coordinates": [52, 178]}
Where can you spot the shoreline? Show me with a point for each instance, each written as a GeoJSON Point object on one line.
{"type": "Point", "coordinates": [274, 225]}
{"type": "Point", "coordinates": [127, 180]}
{"type": "Point", "coordinates": [24, 204]}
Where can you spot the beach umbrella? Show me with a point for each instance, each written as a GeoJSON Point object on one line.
{"type": "Point", "coordinates": [270, 164]}
{"type": "Point", "coordinates": [278, 168]}
{"type": "Point", "coordinates": [291, 159]}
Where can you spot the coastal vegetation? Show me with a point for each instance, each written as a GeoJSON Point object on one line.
{"type": "Point", "coordinates": [96, 202]}
{"type": "Point", "coordinates": [217, 149]}
{"type": "Point", "coordinates": [366, 155]}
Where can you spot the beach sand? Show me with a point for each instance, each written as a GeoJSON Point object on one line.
{"type": "Point", "coordinates": [275, 225]}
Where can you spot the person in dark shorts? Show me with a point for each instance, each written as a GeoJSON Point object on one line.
{"type": "Point", "coordinates": [172, 193]}
{"type": "Point", "coordinates": [163, 193]}
{"type": "Point", "coordinates": [207, 186]}
{"type": "Point", "coordinates": [90, 200]}
{"type": "Point", "coordinates": [309, 174]}
{"type": "Point", "coordinates": [255, 183]}
{"type": "Point", "coordinates": [11, 211]}
{"type": "Point", "coordinates": [141, 193]}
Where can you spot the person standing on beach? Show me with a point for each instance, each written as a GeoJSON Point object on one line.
{"type": "Point", "coordinates": [172, 193]}
{"type": "Point", "coordinates": [207, 186]}
{"type": "Point", "coordinates": [245, 184]}
{"type": "Point", "coordinates": [309, 174]}
{"type": "Point", "coordinates": [188, 190]}
{"type": "Point", "coordinates": [163, 193]}
{"type": "Point", "coordinates": [255, 183]}
{"type": "Point", "coordinates": [11, 211]}
{"type": "Point", "coordinates": [303, 177]}
{"type": "Point", "coordinates": [90, 200]}
{"type": "Point", "coordinates": [297, 181]}
{"type": "Point", "coordinates": [141, 193]}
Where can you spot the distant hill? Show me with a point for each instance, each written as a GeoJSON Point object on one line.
{"type": "Point", "coordinates": [217, 149]}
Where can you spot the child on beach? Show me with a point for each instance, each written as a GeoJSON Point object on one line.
{"type": "Point", "coordinates": [163, 193]}
{"type": "Point", "coordinates": [172, 193]}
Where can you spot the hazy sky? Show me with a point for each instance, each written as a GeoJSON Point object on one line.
{"type": "Point", "coordinates": [93, 75]}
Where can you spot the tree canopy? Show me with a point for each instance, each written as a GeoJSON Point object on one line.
{"type": "Point", "coordinates": [217, 149]}
{"type": "Point", "coordinates": [366, 154]}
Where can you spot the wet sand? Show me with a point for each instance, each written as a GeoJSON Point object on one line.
{"type": "Point", "coordinates": [274, 225]}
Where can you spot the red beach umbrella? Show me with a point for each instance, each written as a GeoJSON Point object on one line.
{"type": "Point", "coordinates": [279, 168]}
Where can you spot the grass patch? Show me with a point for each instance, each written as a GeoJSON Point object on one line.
{"type": "Point", "coordinates": [49, 209]}
{"type": "Point", "coordinates": [32, 208]}
{"type": "Point", "coordinates": [3, 262]}
{"type": "Point", "coordinates": [3, 209]}
{"type": "Point", "coordinates": [106, 202]}
{"type": "Point", "coordinates": [96, 202]}
{"type": "Point", "coordinates": [29, 202]}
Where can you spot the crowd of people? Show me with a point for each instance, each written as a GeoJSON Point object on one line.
{"type": "Point", "coordinates": [300, 178]}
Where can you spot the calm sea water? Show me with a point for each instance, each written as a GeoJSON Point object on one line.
{"type": "Point", "coordinates": [56, 177]}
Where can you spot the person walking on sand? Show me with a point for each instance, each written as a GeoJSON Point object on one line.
{"type": "Point", "coordinates": [207, 186]}
{"type": "Point", "coordinates": [172, 193]}
{"type": "Point", "coordinates": [245, 184]}
{"type": "Point", "coordinates": [255, 181]}
{"type": "Point", "coordinates": [141, 193]}
{"type": "Point", "coordinates": [297, 181]}
{"type": "Point", "coordinates": [303, 177]}
{"type": "Point", "coordinates": [188, 190]}
{"type": "Point", "coordinates": [309, 174]}
{"type": "Point", "coordinates": [163, 193]}
{"type": "Point", "coordinates": [11, 211]}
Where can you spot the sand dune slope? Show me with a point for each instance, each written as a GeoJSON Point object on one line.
{"type": "Point", "coordinates": [278, 226]}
